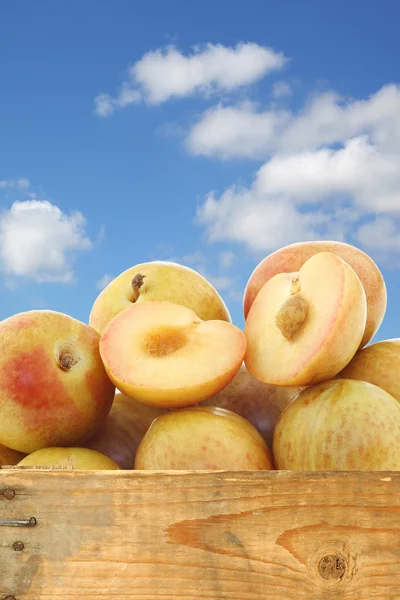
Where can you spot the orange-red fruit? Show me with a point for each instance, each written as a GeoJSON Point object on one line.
{"type": "Point", "coordinates": [339, 425]}
{"type": "Point", "coordinates": [290, 259]}
{"type": "Point", "coordinates": [202, 438]}
{"type": "Point", "coordinates": [162, 354]}
{"type": "Point", "coordinates": [54, 390]}
{"type": "Point", "coordinates": [304, 327]}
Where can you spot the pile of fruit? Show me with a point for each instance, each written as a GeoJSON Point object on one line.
{"type": "Point", "coordinates": [160, 378]}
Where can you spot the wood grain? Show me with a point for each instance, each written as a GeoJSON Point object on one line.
{"type": "Point", "coordinates": [211, 535]}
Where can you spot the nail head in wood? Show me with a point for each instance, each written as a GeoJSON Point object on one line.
{"type": "Point", "coordinates": [9, 494]}
{"type": "Point", "coordinates": [18, 546]}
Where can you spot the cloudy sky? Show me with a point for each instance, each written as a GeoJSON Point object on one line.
{"type": "Point", "coordinates": [209, 133]}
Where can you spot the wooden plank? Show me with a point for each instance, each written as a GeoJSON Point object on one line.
{"type": "Point", "coordinates": [211, 535]}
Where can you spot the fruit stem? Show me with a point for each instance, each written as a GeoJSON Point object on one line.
{"type": "Point", "coordinates": [295, 288]}
{"type": "Point", "coordinates": [137, 283]}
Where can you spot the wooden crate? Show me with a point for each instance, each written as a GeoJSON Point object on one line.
{"type": "Point", "coordinates": [189, 535]}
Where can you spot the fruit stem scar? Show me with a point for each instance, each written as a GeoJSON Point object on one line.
{"type": "Point", "coordinates": [137, 283]}
{"type": "Point", "coordinates": [291, 316]}
{"type": "Point", "coordinates": [67, 360]}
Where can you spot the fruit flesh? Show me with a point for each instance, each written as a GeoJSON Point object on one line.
{"type": "Point", "coordinates": [162, 354]}
{"type": "Point", "coordinates": [290, 259]}
{"type": "Point", "coordinates": [341, 424]}
{"type": "Point", "coordinates": [324, 341]}
{"type": "Point", "coordinates": [162, 280]}
{"type": "Point", "coordinates": [202, 438]}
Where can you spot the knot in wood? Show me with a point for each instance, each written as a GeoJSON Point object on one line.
{"type": "Point", "coordinates": [332, 566]}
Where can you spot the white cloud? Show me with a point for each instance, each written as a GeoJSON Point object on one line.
{"type": "Point", "coordinates": [168, 73]}
{"type": "Point", "coordinates": [105, 104]}
{"type": "Point", "coordinates": [261, 224]}
{"type": "Point", "coordinates": [329, 119]}
{"type": "Point", "coordinates": [331, 171]}
{"type": "Point", "coordinates": [310, 195]}
{"type": "Point", "coordinates": [244, 131]}
{"type": "Point", "coordinates": [281, 89]}
{"type": "Point", "coordinates": [21, 184]}
{"type": "Point", "coordinates": [236, 131]}
{"type": "Point", "coordinates": [381, 234]}
{"type": "Point", "coordinates": [371, 177]}
{"type": "Point", "coordinates": [104, 281]}
{"type": "Point", "coordinates": [36, 239]}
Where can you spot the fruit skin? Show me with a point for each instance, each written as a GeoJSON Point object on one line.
{"type": "Point", "coordinates": [290, 259]}
{"type": "Point", "coordinates": [9, 457]}
{"type": "Point", "coordinates": [327, 338]}
{"type": "Point", "coordinates": [162, 354]}
{"type": "Point", "coordinates": [76, 458]}
{"type": "Point", "coordinates": [163, 281]}
{"type": "Point", "coordinates": [202, 438]}
{"type": "Point", "coordinates": [123, 430]}
{"type": "Point", "coordinates": [341, 424]}
{"type": "Point", "coordinates": [260, 403]}
{"type": "Point", "coordinates": [54, 390]}
{"type": "Point", "coordinates": [379, 364]}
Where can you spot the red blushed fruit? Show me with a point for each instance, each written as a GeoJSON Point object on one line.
{"type": "Point", "coordinates": [54, 390]}
{"type": "Point", "coordinates": [27, 386]}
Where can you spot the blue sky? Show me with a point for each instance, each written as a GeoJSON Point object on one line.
{"type": "Point", "coordinates": [209, 133]}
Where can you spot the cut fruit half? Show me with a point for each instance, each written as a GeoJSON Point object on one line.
{"type": "Point", "coordinates": [163, 354]}
{"type": "Point", "coordinates": [304, 327]}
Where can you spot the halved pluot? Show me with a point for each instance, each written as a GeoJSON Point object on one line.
{"type": "Point", "coordinates": [290, 259]}
{"type": "Point", "coordinates": [304, 327]}
{"type": "Point", "coordinates": [162, 354]}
